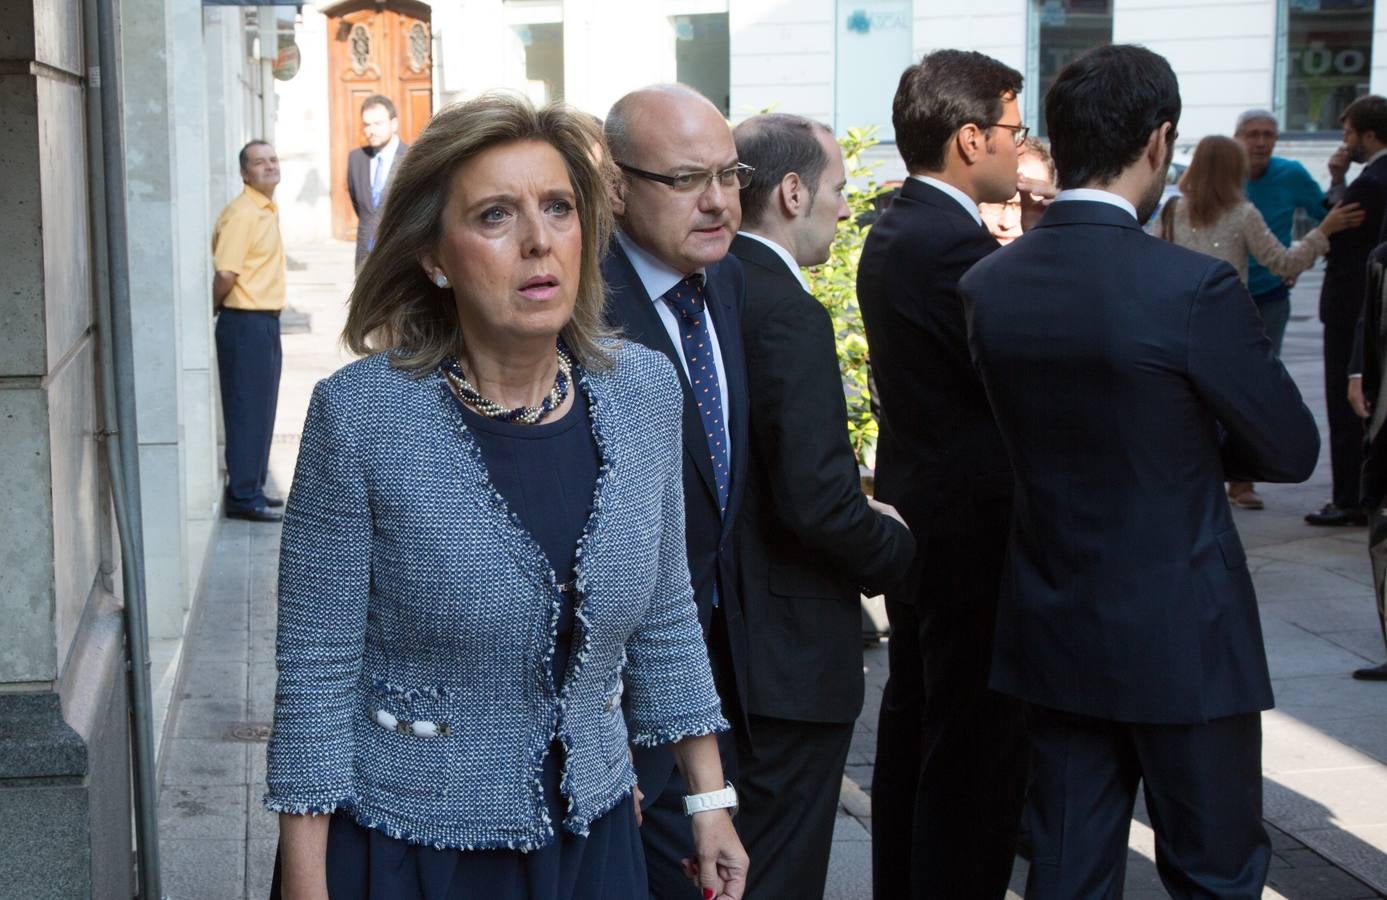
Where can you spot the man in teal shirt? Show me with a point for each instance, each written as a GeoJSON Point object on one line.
{"type": "Point", "coordinates": [1278, 187]}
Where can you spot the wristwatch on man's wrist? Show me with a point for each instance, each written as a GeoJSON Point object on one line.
{"type": "Point", "coordinates": [723, 799]}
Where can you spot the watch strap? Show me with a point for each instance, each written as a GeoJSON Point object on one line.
{"type": "Point", "coordinates": [722, 799]}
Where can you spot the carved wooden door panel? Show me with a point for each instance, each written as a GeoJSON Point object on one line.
{"type": "Point", "coordinates": [374, 48]}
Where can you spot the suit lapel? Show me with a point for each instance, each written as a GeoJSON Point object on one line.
{"type": "Point", "coordinates": [634, 311]}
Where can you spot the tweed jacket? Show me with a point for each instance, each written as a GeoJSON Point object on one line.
{"type": "Point", "coordinates": [417, 617]}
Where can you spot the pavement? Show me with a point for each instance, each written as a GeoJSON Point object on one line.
{"type": "Point", "coordinates": [1325, 745]}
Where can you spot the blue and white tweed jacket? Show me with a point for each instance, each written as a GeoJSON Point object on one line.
{"type": "Point", "coordinates": [417, 617]}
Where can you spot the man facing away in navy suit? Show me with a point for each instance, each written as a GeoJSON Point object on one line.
{"type": "Point", "coordinates": [951, 754]}
{"type": "Point", "coordinates": [1130, 378]}
{"type": "Point", "coordinates": [675, 289]}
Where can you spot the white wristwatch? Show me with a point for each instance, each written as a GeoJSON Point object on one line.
{"type": "Point", "coordinates": [723, 799]}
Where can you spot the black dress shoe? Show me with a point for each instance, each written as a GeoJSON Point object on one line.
{"type": "Point", "coordinates": [254, 515]}
{"type": "Point", "coordinates": [1371, 673]}
{"type": "Point", "coordinates": [1329, 514]}
{"type": "Point", "coordinates": [273, 502]}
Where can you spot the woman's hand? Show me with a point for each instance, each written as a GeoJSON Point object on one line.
{"type": "Point", "coordinates": [1343, 215]}
{"type": "Point", "coordinates": [719, 868]}
{"type": "Point", "coordinates": [303, 857]}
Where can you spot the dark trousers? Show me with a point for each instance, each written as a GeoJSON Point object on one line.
{"type": "Point", "coordinates": [1345, 428]}
{"type": "Point", "coordinates": [790, 780]}
{"type": "Point", "coordinates": [1203, 792]}
{"type": "Point", "coordinates": [1377, 553]}
{"type": "Point", "coordinates": [667, 833]}
{"type": "Point", "coordinates": [248, 363]}
{"type": "Point", "coordinates": [952, 755]}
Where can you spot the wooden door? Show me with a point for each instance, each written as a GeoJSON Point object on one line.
{"type": "Point", "coordinates": [374, 48]}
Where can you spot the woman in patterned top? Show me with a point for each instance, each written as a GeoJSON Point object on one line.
{"type": "Point", "coordinates": [1213, 216]}
{"type": "Point", "coordinates": [484, 597]}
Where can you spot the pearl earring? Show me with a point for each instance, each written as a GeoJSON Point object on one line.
{"type": "Point", "coordinates": [441, 280]}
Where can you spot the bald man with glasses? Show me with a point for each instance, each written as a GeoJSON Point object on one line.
{"type": "Point", "coordinates": [675, 289]}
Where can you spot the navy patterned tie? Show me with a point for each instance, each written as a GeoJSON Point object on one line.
{"type": "Point", "coordinates": [686, 298]}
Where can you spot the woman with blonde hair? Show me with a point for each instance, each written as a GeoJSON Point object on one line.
{"type": "Point", "coordinates": [1213, 216]}
{"type": "Point", "coordinates": [484, 597]}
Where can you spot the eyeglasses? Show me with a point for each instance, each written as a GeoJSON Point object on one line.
{"type": "Point", "coordinates": [738, 177]}
{"type": "Point", "coordinates": [1018, 132]}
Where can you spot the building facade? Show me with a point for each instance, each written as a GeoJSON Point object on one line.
{"type": "Point", "coordinates": [194, 89]}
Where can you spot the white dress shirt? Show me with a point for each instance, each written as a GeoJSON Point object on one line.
{"type": "Point", "coordinates": [963, 199]}
{"type": "Point", "coordinates": [1097, 196]}
{"type": "Point", "coordinates": [784, 255]}
{"type": "Point", "coordinates": [658, 278]}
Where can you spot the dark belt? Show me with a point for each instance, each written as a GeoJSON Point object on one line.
{"type": "Point", "coordinates": [252, 312]}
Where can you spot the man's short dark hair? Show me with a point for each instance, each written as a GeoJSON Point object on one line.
{"type": "Point", "coordinates": [1368, 113]}
{"type": "Point", "coordinates": [1102, 108]}
{"type": "Point", "coordinates": [776, 144]}
{"type": "Point", "coordinates": [378, 100]}
{"type": "Point", "coordinates": [939, 95]}
{"type": "Point", "coordinates": [244, 155]}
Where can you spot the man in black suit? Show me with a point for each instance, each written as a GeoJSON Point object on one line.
{"type": "Point", "coordinates": [1373, 408]}
{"type": "Point", "coordinates": [1130, 379]}
{"type": "Point", "coordinates": [809, 541]}
{"type": "Point", "coordinates": [1341, 304]}
{"type": "Point", "coordinates": [370, 168]}
{"type": "Point", "coordinates": [951, 756]}
{"type": "Point", "coordinates": [675, 289]}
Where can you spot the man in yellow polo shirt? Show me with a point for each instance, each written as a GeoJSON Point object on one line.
{"type": "Point", "coordinates": [248, 294]}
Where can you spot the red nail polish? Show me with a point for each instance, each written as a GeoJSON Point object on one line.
{"type": "Point", "coordinates": [707, 894]}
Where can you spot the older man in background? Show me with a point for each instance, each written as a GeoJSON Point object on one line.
{"type": "Point", "coordinates": [248, 295]}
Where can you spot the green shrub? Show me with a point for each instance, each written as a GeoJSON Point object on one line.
{"type": "Point", "coordinates": [834, 284]}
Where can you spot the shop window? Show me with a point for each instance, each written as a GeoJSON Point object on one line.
{"type": "Point", "coordinates": [542, 46]}
{"type": "Point", "coordinates": [1060, 31]}
{"type": "Point", "coordinates": [1324, 60]}
{"type": "Point", "coordinates": [701, 56]}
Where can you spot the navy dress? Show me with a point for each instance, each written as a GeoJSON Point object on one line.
{"type": "Point", "coordinates": [547, 474]}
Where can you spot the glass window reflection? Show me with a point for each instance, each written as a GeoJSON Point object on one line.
{"type": "Point", "coordinates": [1328, 58]}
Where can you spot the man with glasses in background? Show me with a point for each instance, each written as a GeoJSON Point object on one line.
{"type": "Point", "coordinates": [951, 753]}
{"type": "Point", "coordinates": [675, 289]}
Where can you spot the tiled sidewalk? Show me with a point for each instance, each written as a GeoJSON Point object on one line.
{"type": "Point", "coordinates": [1325, 746]}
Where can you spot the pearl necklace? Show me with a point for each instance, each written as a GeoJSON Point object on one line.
{"type": "Point", "coordinates": [523, 415]}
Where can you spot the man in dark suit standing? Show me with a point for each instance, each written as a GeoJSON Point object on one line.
{"type": "Point", "coordinates": [370, 168]}
{"type": "Point", "coordinates": [809, 540]}
{"type": "Point", "coordinates": [675, 289]}
{"type": "Point", "coordinates": [1341, 304]}
{"type": "Point", "coordinates": [1373, 407]}
{"type": "Point", "coordinates": [951, 756]}
{"type": "Point", "coordinates": [1130, 379]}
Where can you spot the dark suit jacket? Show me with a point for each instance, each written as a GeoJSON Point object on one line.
{"type": "Point", "coordinates": [1131, 378]}
{"type": "Point", "coordinates": [1341, 296]}
{"type": "Point", "coordinates": [708, 535]}
{"type": "Point", "coordinates": [808, 543]}
{"type": "Point", "coordinates": [939, 456]}
{"type": "Point", "coordinates": [359, 189]}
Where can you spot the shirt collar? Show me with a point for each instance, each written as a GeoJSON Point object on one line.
{"type": "Point", "coordinates": [1375, 157]}
{"type": "Point", "coordinates": [387, 153]}
{"type": "Point", "coordinates": [963, 199]}
{"type": "Point", "coordinates": [784, 255]}
{"type": "Point", "coordinates": [655, 276]}
{"type": "Point", "coordinates": [1097, 196]}
{"type": "Point", "coordinates": [260, 199]}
